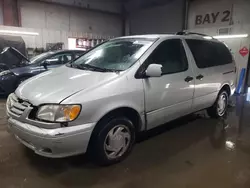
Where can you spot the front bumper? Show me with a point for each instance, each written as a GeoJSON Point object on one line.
{"type": "Point", "coordinates": [54, 143]}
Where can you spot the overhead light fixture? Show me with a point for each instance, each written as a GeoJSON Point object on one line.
{"type": "Point", "coordinates": [208, 37]}
{"type": "Point", "coordinates": [230, 36]}
{"type": "Point", "coordinates": [19, 32]}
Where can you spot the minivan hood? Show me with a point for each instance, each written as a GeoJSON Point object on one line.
{"type": "Point", "coordinates": [56, 85]}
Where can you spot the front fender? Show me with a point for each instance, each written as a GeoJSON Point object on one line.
{"type": "Point", "coordinates": [93, 111]}
{"type": "Point", "coordinates": [230, 85]}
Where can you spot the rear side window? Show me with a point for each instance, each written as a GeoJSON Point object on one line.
{"type": "Point", "coordinates": [78, 54]}
{"type": "Point", "coordinates": [171, 55]}
{"type": "Point", "coordinates": [60, 59]}
{"type": "Point", "coordinates": [208, 53]}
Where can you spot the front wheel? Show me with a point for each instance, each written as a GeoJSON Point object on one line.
{"type": "Point", "coordinates": [219, 108]}
{"type": "Point", "coordinates": [112, 141]}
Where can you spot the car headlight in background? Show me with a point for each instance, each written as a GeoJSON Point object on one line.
{"type": "Point", "coordinates": [5, 72]}
{"type": "Point", "coordinates": [58, 113]}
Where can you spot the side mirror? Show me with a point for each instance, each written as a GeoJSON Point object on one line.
{"type": "Point", "coordinates": [154, 70]}
{"type": "Point", "coordinates": [45, 64]}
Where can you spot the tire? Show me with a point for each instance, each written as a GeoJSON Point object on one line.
{"type": "Point", "coordinates": [110, 135]}
{"type": "Point", "coordinates": [220, 106]}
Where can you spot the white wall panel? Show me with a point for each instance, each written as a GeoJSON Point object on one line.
{"type": "Point", "coordinates": [106, 5]}
{"type": "Point", "coordinates": [58, 17]}
{"type": "Point", "coordinates": [92, 22]}
{"type": "Point", "coordinates": [33, 15]}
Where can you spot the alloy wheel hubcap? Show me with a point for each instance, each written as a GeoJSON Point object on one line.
{"type": "Point", "coordinates": [222, 104]}
{"type": "Point", "coordinates": [117, 141]}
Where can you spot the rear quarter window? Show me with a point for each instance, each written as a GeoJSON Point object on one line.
{"type": "Point", "coordinates": [209, 53]}
{"type": "Point", "coordinates": [78, 54]}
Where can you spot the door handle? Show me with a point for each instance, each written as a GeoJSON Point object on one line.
{"type": "Point", "coordinates": [199, 77]}
{"type": "Point", "coordinates": [189, 79]}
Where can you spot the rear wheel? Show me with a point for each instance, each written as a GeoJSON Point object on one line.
{"type": "Point", "coordinates": [112, 141]}
{"type": "Point", "coordinates": [219, 108]}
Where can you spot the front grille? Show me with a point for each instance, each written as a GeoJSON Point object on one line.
{"type": "Point", "coordinates": [33, 113]}
{"type": "Point", "coordinates": [17, 106]}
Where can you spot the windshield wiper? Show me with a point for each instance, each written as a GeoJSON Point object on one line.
{"type": "Point", "coordinates": [93, 68]}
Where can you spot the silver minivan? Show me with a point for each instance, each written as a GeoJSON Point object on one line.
{"type": "Point", "coordinates": [99, 102]}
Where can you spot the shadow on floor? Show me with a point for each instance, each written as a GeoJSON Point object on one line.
{"type": "Point", "coordinates": [152, 151]}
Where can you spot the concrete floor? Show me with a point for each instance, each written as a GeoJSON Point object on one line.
{"type": "Point", "coordinates": [194, 151]}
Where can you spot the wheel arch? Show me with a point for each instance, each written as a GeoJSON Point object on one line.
{"type": "Point", "coordinates": [129, 112]}
{"type": "Point", "coordinates": [227, 88]}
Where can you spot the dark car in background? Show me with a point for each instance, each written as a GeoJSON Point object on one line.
{"type": "Point", "coordinates": [11, 76]}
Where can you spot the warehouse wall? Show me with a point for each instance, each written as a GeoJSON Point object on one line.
{"type": "Point", "coordinates": [146, 17]}
{"type": "Point", "coordinates": [110, 6]}
{"type": "Point", "coordinates": [63, 18]}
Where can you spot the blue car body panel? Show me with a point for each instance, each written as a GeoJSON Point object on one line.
{"type": "Point", "coordinates": [27, 70]}
{"type": "Point", "coordinates": [9, 82]}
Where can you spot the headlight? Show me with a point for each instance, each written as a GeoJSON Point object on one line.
{"type": "Point", "coordinates": [5, 72]}
{"type": "Point", "coordinates": [58, 113]}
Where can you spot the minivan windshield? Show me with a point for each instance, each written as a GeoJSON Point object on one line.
{"type": "Point", "coordinates": [113, 55]}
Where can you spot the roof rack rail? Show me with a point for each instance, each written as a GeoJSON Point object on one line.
{"type": "Point", "coordinates": [192, 33]}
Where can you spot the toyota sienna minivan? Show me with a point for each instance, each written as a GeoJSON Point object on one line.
{"type": "Point", "coordinates": [99, 102]}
